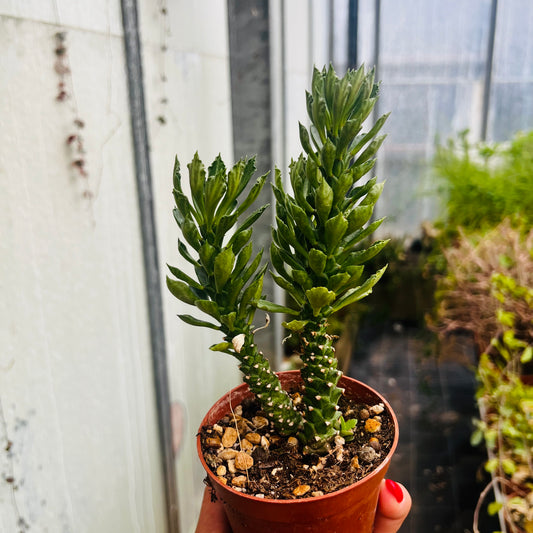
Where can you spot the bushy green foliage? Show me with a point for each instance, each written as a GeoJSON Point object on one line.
{"type": "Point", "coordinates": [484, 183]}
{"type": "Point", "coordinates": [507, 404]}
{"type": "Point", "coordinates": [319, 250]}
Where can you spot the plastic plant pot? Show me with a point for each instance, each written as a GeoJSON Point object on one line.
{"type": "Point", "coordinates": [348, 510]}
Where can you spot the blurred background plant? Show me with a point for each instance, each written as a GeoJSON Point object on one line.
{"type": "Point", "coordinates": [484, 183]}
{"type": "Point", "coordinates": [505, 396]}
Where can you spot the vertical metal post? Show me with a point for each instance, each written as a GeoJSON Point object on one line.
{"type": "Point", "coordinates": [377, 38]}
{"type": "Point", "coordinates": [331, 32]}
{"type": "Point", "coordinates": [488, 70]}
{"type": "Point", "coordinates": [353, 12]}
{"type": "Point", "coordinates": [151, 264]}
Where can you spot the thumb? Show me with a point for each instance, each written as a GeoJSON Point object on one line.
{"type": "Point", "coordinates": [393, 507]}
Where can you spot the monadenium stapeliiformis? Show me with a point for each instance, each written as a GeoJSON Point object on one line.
{"type": "Point", "coordinates": [316, 250]}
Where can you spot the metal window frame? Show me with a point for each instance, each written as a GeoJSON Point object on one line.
{"type": "Point", "coordinates": [143, 174]}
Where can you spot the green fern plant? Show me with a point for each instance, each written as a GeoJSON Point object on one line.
{"type": "Point", "coordinates": [316, 251]}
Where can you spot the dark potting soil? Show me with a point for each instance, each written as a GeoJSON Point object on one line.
{"type": "Point", "coordinates": [244, 452]}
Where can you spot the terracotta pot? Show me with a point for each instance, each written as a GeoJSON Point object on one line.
{"type": "Point", "coordinates": [348, 510]}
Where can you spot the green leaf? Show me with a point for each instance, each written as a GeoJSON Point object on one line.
{"type": "Point", "coordinates": [215, 187]}
{"type": "Point", "coordinates": [347, 427]}
{"type": "Point", "coordinates": [181, 291]}
{"type": "Point", "coordinates": [358, 217]}
{"type": "Point", "coordinates": [206, 253]}
{"type": "Point", "coordinates": [191, 234]}
{"type": "Point", "coordinates": [303, 223]}
{"type": "Point", "coordinates": [367, 136]}
{"type": "Point", "coordinates": [222, 347]}
{"type": "Point", "coordinates": [323, 200]}
{"type": "Point", "coordinates": [252, 195]}
{"type": "Point", "coordinates": [370, 151]}
{"type": "Point", "coordinates": [238, 240]}
{"type": "Point", "coordinates": [373, 194]}
{"type": "Point", "coordinates": [319, 297]}
{"type": "Point", "coordinates": [223, 266]}
{"type": "Point", "coordinates": [328, 157]}
{"type": "Point", "coordinates": [508, 466]}
{"type": "Point", "coordinates": [252, 292]}
{"type": "Point", "coordinates": [294, 291]}
{"type": "Point", "coordinates": [494, 508]}
{"type": "Point", "coordinates": [302, 278]}
{"type": "Point", "coordinates": [272, 307]}
{"type": "Point", "coordinates": [335, 228]}
{"type": "Point", "coordinates": [197, 180]}
{"type": "Point", "coordinates": [491, 465]}
{"type": "Point", "coordinates": [209, 307]}
{"type": "Point", "coordinates": [476, 438]}
{"type": "Point", "coordinates": [242, 259]}
{"type": "Point", "coordinates": [195, 322]}
{"type": "Point", "coordinates": [527, 355]}
{"type": "Point", "coordinates": [295, 325]}
{"type": "Point", "coordinates": [229, 320]}
{"type": "Point", "coordinates": [306, 143]}
{"type": "Point", "coordinates": [362, 256]}
{"type": "Point", "coordinates": [184, 277]}
{"type": "Point", "coordinates": [247, 224]}
{"type": "Point", "coordinates": [338, 280]}
{"type": "Point", "coordinates": [354, 295]}
{"type": "Point", "coordinates": [176, 176]}
{"type": "Point", "coordinates": [317, 261]}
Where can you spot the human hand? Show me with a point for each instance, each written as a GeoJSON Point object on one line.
{"type": "Point", "coordinates": [393, 507]}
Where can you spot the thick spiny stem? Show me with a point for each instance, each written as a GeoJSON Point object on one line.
{"type": "Point", "coordinates": [321, 394]}
{"type": "Point", "coordinates": [275, 402]}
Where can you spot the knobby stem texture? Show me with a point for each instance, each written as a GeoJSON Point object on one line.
{"type": "Point", "coordinates": [321, 394]}
{"type": "Point", "coordinates": [265, 385]}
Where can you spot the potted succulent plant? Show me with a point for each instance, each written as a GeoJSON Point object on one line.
{"type": "Point", "coordinates": [251, 439]}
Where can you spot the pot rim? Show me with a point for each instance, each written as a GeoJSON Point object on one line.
{"type": "Point", "coordinates": [310, 500]}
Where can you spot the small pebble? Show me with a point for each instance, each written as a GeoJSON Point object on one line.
{"type": "Point", "coordinates": [339, 441]}
{"type": "Point", "coordinates": [221, 470]}
{"type": "Point", "coordinates": [223, 480]}
{"type": "Point", "coordinates": [243, 461]}
{"type": "Point", "coordinates": [300, 490]}
{"type": "Point", "coordinates": [375, 444]}
{"type": "Point", "coordinates": [230, 437]}
{"type": "Point", "coordinates": [259, 495]}
{"type": "Point", "coordinates": [372, 425]}
{"type": "Point", "coordinates": [354, 464]}
{"type": "Point", "coordinates": [377, 409]}
{"type": "Point", "coordinates": [265, 444]}
{"type": "Point", "coordinates": [364, 414]}
{"type": "Point", "coordinates": [231, 466]}
{"type": "Point", "coordinates": [242, 426]}
{"type": "Point", "coordinates": [253, 437]}
{"type": "Point", "coordinates": [239, 481]}
{"type": "Point", "coordinates": [259, 422]}
{"type": "Point", "coordinates": [246, 445]}
{"type": "Point", "coordinates": [238, 410]}
{"type": "Point", "coordinates": [367, 454]}
{"type": "Point", "coordinates": [317, 493]}
{"type": "Point", "coordinates": [296, 398]}
{"type": "Point", "coordinates": [292, 441]}
{"type": "Point", "coordinates": [213, 442]}
{"type": "Point", "coordinates": [274, 439]}
{"type": "Point", "coordinates": [227, 454]}
{"type": "Point", "coordinates": [218, 429]}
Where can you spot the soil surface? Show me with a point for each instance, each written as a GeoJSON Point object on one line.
{"type": "Point", "coordinates": [245, 452]}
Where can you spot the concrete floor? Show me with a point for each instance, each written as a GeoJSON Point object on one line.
{"type": "Point", "coordinates": [434, 402]}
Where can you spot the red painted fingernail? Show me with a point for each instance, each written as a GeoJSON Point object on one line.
{"type": "Point", "coordinates": [394, 489]}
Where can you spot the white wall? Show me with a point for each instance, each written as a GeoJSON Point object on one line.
{"type": "Point", "coordinates": [76, 387]}
{"type": "Point", "coordinates": [198, 117]}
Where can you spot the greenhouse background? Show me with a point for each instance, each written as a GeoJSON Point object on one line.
{"type": "Point", "coordinates": [97, 99]}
